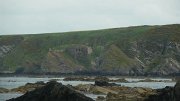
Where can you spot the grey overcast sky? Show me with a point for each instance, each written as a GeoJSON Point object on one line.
{"type": "Point", "coordinates": [42, 16]}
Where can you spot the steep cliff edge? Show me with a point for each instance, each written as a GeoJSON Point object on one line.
{"type": "Point", "coordinates": [140, 50]}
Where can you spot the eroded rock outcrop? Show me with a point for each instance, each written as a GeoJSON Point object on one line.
{"type": "Point", "coordinates": [104, 83]}
{"type": "Point", "coordinates": [98, 78]}
{"type": "Point", "coordinates": [177, 91]}
{"type": "Point", "coordinates": [56, 61]}
{"type": "Point", "coordinates": [53, 91]}
{"type": "Point", "coordinates": [29, 87]}
{"type": "Point", "coordinates": [3, 90]}
{"type": "Point", "coordinates": [89, 88]}
{"type": "Point", "coordinates": [78, 51]}
{"type": "Point", "coordinates": [129, 94]}
{"type": "Point", "coordinates": [166, 94]}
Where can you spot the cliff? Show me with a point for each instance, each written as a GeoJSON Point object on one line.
{"type": "Point", "coordinates": [139, 50]}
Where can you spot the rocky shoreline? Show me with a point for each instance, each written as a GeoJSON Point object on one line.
{"type": "Point", "coordinates": [94, 79]}
{"type": "Point", "coordinates": [102, 86]}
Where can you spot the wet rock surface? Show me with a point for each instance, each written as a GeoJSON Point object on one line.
{"type": "Point", "coordinates": [104, 83]}
{"type": "Point", "coordinates": [177, 91]}
{"type": "Point", "coordinates": [52, 91]}
{"type": "Point", "coordinates": [110, 91]}
{"type": "Point", "coordinates": [129, 94]}
{"type": "Point", "coordinates": [121, 93]}
{"type": "Point", "coordinates": [92, 89]}
{"type": "Point", "coordinates": [78, 79]}
{"type": "Point", "coordinates": [117, 93]}
{"type": "Point", "coordinates": [166, 94]}
{"type": "Point", "coordinates": [28, 87]}
{"type": "Point", "coordinates": [94, 79]}
{"type": "Point", "coordinates": [3, 90]}
{"type": "Point", "coordinates": [101, 98]}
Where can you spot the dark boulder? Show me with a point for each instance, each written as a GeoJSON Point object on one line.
{"type": "Point", "coordinates": [177, 91]}
{"type": "Point", "coordinates": [104, 83]}
{"type": "Point", "coordinates": [53, 91]}
{"type": "Point", "coordinates": [101, 78]}
{"type": "Point", "coordinates": [165, 94]}
{"type": "Point", "coordinates": [78, 79]}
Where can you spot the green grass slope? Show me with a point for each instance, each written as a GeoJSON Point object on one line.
{"type": "Point", "coordinates": [111, 49]}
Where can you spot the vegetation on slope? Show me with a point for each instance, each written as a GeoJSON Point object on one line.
{"type": "Point", "coordinates": [112, 49]}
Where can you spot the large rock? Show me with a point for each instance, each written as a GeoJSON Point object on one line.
{"type": "Point", "coordinates": [78, 79]}
{"type": "Point", "coordinates": [89, 88]}
{"type": "Point", "coordinates": [28, 87]}
{"type": "Point", "coordinates": [166, 94]}
{"type": "Point", "coordinates": [177, 91]}
{"type": "Point", "coordinates": [123, 97]}
{"type": "Point", "coordinates": [101, 78]}
{"type": "Point", "coordinates": [104, 83]}
{"type": "Point", "coordinates": [100, 98]}
{"type": "Point", "coordinates": [3, 90]}
{"type": "Point", "coordinates": [119, 80]}
{"type": "Point", "coordinates": [53, 91]}
{"type": "Point", "coordinates": [101, 90]}
{"type": "Point", "coordinates": [98, 78]}
{"type": "Point", "coordinates": [129, 94]}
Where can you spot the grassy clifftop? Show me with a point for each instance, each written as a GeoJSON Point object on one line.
{"type": "Point", "coordinates": [128, 50]}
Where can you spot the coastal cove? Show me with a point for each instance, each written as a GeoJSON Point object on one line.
{"type": "Point", "coordinates": [15, 82]}
{"type": "Point", "coordinates": [89, 50]}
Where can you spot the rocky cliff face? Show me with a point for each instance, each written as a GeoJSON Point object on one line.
{"type": "Point", "coordinates": [4, 49]}
{"type": "Point", "coordinates": [161, 56]}
{"type": "Point", "coordinates": [7, 45]}
{"type": "Point", "coordinates": [141, 50]}
{"type": "Point", "coordinates": [56, 61]}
